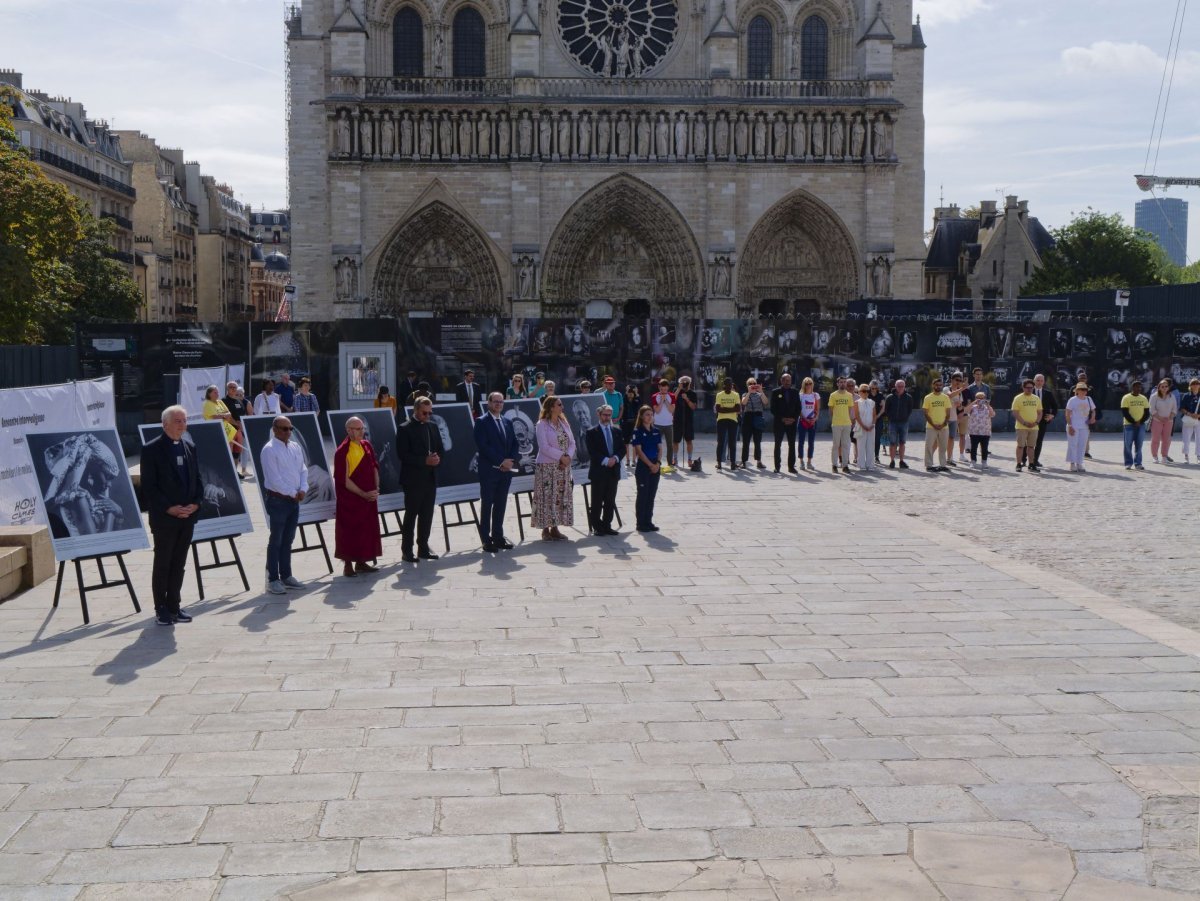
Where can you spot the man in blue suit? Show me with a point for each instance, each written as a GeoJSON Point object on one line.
{"type": "Point", "coordinates": [497, 444]}
{"type": "Point", "coordinates": [606, 449]}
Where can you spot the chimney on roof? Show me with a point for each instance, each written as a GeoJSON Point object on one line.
{"type": "Point", "coordinates": [11, 77]}
{"type": "Point", "coordinates": [1023, 210]}
{"type": "Point", "coordinates": [946, 212]}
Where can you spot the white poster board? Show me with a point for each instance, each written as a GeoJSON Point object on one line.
{"type": "Point", "coordinates": [87, 496]}
{"type": "Point", "coordinates": [192, 384]}
{"type": "Point", "coordinates": [223, 512]}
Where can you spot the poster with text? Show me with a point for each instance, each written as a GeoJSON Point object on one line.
{"type": "Point", "coordinates": [379, 428]}
{"type": "Point", "coordinates": [319, 503]}
{"type": "Point", "coordinates": [223, 510]}
{"type": "Point", "coordinates": [86, 494]}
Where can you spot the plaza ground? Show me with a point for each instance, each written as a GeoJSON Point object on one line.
{"type": "Point", "coordinates": [897, 686]}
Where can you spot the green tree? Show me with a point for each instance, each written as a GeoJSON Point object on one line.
{"type": "Point", "coordinates": [54, 264]}
{"type": "Point", "coordinates": [1097, 251]}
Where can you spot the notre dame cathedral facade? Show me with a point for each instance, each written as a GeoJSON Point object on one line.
{"type": "Point", "coordinates": [598, 158]}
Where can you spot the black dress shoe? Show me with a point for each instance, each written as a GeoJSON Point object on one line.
{"type": "Point", "coordinates": [490, 548]}
{"type": "Point", "coordinates": [791, 469]}
{"type": "Point", "coordinates": [408, 558]}
{"type": "Point", "coordinates": [427, 554]}
{"type": "Point", "coordinates": [504, 544]}
{"type": "Point", "coordinates": [608, 530]}
{"type": "Point", "coordinates": [182, 616]}
{"type": "Point", "coordinates": [365, 568]}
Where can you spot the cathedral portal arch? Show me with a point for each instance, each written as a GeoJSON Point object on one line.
{"type": "Point", "coordinates": [437, 260]}
{"type": "Point", "coordinates": [798, 252]}
{"type": "Point", "coordinates": [622, 241]}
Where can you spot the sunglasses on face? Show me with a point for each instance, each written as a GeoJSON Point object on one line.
{"type": "Point", "coordinates": [283, 428]}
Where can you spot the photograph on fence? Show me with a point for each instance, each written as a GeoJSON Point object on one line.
{"type": "Point", "coordinates": [223, 511]}
{"type": "Point", "coordinates": [379, 428]}
{"type": "Point", "coordinates": [458, 473]}
{"type": "Point", "coordinates": [87, 494]}
{"type": "Point", "coordinates": [319, 503]}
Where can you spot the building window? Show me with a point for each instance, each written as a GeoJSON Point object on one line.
{"type": "Point", "coordinates": [814, 49]}
{"type": "Point", "coordinates": [758, 48]}
{"type": "Point", "coordinates": [408, 48]}
{"type": "Point", "coordinates": [469, 58]}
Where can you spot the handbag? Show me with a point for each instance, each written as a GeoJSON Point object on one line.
{"type": "Point", "coordinates": [758, 422]}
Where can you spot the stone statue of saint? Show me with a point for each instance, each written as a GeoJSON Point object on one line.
{"type": "Point", "coordinates": [721, 277]}
{"type": "Point", "coordinates": [662, 137]}
{"type": "Point", "coordinates": [602, 135]}
{"type": "Point", "coordinates": [681, 135]}
{"type": "Point", "coordinates": [879, 276]}
{"type": "Point", "coordinates": [878, 143]}
{"type": "Point", "coordinates": [741, 135]}
{"type": "Point", "coordinates": [760, 136]}
{"type": "Point", "coordinates": [387, 137]}
{"type": "Point", "coordinates": [699, 135]}
{"type": "Point", "coordinates": [366, 137]}
{"type": "Point", "coordinates": [623, 53]}
{"type": "Point", "coordinates": [525, 278]}
{"type": "Point", "coordinates": [465, 131]}
{"type": "Point", "coordinates": [483, 135]}
{"type": "Point", "coordinates": [643, 136]}
{"type": "Point", "coordinates": [818, 138]}
{"type": "Point", "coordinates": [445, 136]}
{"type": "Point", "coordinates": [439, 50]}
{"type": "Point", "coordinates": [564, 135]}
{"type": "Point", "coordinates": [425, 129]}
{"type": "Point", "coordinates": [503, 135]}
{"type": "Point", "coordinates": [342, 130]}
{"type": "Point", "coordinates": [836, 138]}
{"type": "Point", "coordinates": [544, 134]}
{"type": "Point", "coordinates": [721, 137]}
{"type": "Point", "coordinates": [799, 137]}
{"type": "Point", "coordinates": [583, 142]}
{"type": "Point", "coordinates": [858, 136]}
{"type": "Point", "coordinates": [347, 278]}
{"type": "Point", "coordinates": [406, 136]}
{"type": "Point", "coordinates": [623, 136]}
{"type": "Point", "coordinates": [524, 135]}
{"type": "Point", "coordinates": [779, 136]}
{"type": "Point", "coordinates": [888, 148]}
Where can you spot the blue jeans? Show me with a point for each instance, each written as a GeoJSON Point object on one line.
{"type": "Point", "coordinates": [1133, 443]}
{"type": "Point", "coordinates": [809, 436]}
{"type": "Point", "coordinates": [282, 518]}
{"type": "Point", "coordinates": [647, 488]}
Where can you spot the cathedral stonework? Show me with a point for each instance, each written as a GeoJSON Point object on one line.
{"type": "Point", "coordinates": [597, 157]}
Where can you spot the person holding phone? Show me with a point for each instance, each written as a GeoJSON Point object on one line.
{"type": "Point", "coordinates": [664, 421]}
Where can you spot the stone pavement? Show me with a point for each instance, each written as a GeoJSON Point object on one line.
{"type": "Point", "coordinates": [795, 690]}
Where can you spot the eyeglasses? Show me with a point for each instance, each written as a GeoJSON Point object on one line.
{"type": "Point", "coordinates": [283, 428]}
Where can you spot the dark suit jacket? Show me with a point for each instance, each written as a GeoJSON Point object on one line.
{"type": "Point", "coordinates": [460, 392]}
{"type": "Point", "coordinates": [1049, 402]}
{"type": "Point", "coordinates": [598, 450]}
{"type": "Point", "coordinates": [785, 403]}
{"type": "Point", "coordinates": [161, 485]}
{"type": "Point", "coordinates": [493, 449]}
{"type": "Point", "coordinates": [414, 442]}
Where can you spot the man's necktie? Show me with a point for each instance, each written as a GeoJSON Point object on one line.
{"type": "Point", "coordinates": [608, 439]}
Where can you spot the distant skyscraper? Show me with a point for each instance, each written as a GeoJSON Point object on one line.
{"type": "Point", "coordinates": [1167, 219]}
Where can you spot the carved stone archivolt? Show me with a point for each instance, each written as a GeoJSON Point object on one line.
{"type": "Point", "coordinates": [608, 135]}
{"type": "Point", "coordinates": [437, 261]}
{"type": "Point", "coordinates": [798, 250]}
{"type": "Point", "coordinates": [623, 241]}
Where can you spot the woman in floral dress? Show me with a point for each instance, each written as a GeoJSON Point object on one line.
{"type": "Point", "coordinates": [553, 486]}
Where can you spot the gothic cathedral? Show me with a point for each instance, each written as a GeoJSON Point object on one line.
{"type": "Point", "coordinates": [599, 158]}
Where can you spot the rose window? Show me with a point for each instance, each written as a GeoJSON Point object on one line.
{"type": "Point", "coordinates": [618, 38]}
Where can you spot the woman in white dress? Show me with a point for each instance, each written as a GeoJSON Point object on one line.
{"type": "Point", "coordinates": [1081, 413]}
{"type": "Point", "coordinates": [865, 423]}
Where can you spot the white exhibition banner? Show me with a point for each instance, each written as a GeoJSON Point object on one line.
{"type": "Point", "coordinates": [192, 384]}
{"type": "Point", "coordinates": [74, 405]}
{"type": "Point", "coordinates": [85, 491]}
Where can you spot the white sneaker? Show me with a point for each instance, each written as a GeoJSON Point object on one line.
{"type": "Point", "coordinates": [1070, 467]}
{"type": "Point", "coordinates": [276, 587]}
{"type": "Point", "coordinates": [962, 458]}
{"type": "Point", "coordinates": [983, 465]}
{"type": "Point", "coordinates": [293, 582]}
{"type": "Point", "coordinates": [1080, 468]}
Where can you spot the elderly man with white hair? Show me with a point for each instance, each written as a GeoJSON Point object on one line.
{"type": "Point", "coordinates": [171, 486]}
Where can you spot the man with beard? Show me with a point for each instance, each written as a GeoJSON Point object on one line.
{"type": "Point", "coordinates": [1049, 411]}
{"type": "Point", "coordinates": [419, 446]}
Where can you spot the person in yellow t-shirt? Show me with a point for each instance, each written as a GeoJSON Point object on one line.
{"type": "Point", "coordinates": [1135, 409]}
{"type": "Point", "coordinates": [728, 404]}
{"type": "Point", "coordinates": [936, 406]}
{"type": "Point", "coordinates": [1027, 413]}
{"type": "Point", "coordinates": [841, 422]}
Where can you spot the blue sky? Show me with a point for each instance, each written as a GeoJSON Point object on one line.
{"type": "Point", "coordinates": [1051, 100]}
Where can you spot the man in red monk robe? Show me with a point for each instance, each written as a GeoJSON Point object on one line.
{"type": "Point", "coordinates": [356, 481]}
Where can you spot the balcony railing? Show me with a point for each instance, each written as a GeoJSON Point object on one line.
{"type": "Point", "coordinates": [124, 223]}
{"type": "Point", "coordinates": [185, 230]}
{"type": "Point", "coordinates": [65, 165]}
{"type": "Point", "coordinates": [391, 88]}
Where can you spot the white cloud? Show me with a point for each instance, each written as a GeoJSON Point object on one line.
{"type": "Point", "coordinates": [1125, 59]}
{"type": "Point", "coordinates": [938, 12]}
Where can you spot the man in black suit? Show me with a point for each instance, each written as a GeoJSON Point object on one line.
{"type": "Point", "coordinates": [1049, 411]}
{"type": "Point", "coordinates": [172, 490]}
{"type": "Point", "coordinates": [468, 391]}
{"type": "Point", "coordinates": [785, 413]}
{"type": "Point", "coordinates": [496, 441]}
{"type": "Point", "coordinates": [419, 446]}
{"type": "Point", "coordinates": [606, 447]}
{"type": "Point", "coordinates": [408, 386]}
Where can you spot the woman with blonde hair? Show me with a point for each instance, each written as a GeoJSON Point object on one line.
{"type": "Point", "coordinates": [553, 486]}
{"type": "Point", "coordinates": [214, 408]}
{"type": "Point", "coordinates": [810, 409]}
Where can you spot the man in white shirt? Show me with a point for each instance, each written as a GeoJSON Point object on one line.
{"type": "Point", "coordinates": [267, 402]}
{"type": "Point", "coordinates": [284, 484]}
{"type": "Point", "coordinates": [663, 404]}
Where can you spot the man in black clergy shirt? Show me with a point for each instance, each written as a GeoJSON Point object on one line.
{"type": "Point", "coordinates": [171, 486]}
{"type": "Point", "coordinates": [419, 446]}
{"type": "Point", "coordinates": [785, 413]}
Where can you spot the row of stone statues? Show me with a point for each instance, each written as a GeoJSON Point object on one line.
{"type": "Point", "coordinates": [626, 134]}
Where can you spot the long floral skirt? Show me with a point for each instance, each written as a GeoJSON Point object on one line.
{"type": "Point", "coordinates": [553, 496]}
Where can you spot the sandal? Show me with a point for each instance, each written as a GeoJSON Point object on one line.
{"type": "Point", "coordinates": [348, 571]}
{"type": "Point", "coordinates": [546, 536]}
{"type": "Point", "coordinates": [365, 568]}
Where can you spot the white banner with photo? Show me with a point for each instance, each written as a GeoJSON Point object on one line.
{"type": "Point", "coordinates": [223, 512]}
{"type": "Point", "coordinates": [192, 384]}
{"type": "Point", "coordinates": [85, 491]}
{"type": "Point", "coordinates": [74, 405]}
